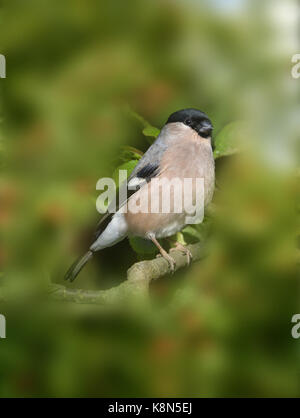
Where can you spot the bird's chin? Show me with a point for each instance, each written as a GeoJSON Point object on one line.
{"type": "Point", "coordinates": [207, 139]}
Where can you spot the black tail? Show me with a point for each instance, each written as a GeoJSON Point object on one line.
{"type": "Point", "coordinates": [76, 267]}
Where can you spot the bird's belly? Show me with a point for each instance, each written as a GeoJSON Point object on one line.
{"type": "Point", "coordinates": [161, 224]}
{"type": "Point", "coordinates": [143, 220]}
{"type": "Point", "coordinates": [171, 227]}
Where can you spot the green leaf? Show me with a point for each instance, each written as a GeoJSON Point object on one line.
{"type": "Point", "coordinates": [129, 166]}
{"type": "Point", "coordinates": [142, 246]}
{"type": "Point", "coordinates": [130, 153]}
{"type": "Point", "coordinates": [228, 141]}
{"type": "Point", "coordinates": [196, 233]}
{"type": "Point", "coordinates": [180, 238]}
{"type": "Point", "coordinates": [149, 130]}
{"type": "Point", "coordinates": [191, 234]}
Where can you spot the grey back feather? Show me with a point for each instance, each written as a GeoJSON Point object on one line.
{"type": "Point", "coordinates": [147, 168]}
{"type": "Point", "coordinates": [152, 156]}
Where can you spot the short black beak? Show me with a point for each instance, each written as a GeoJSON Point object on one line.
{"type": "Point", "coordinates": [205, 131]}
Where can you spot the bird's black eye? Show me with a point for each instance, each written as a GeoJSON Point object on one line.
{"type": "Point", "coordinates": [188, 122]}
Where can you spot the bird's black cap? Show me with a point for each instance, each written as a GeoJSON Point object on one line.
{"type": "Point", "coordinates": [194, 118]}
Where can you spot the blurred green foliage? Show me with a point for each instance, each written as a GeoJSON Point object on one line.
{"type": "Point", "coordinates": [219, 328]}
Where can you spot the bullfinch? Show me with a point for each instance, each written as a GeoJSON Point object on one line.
{"type": "Point", "coordinates": [182, 150]}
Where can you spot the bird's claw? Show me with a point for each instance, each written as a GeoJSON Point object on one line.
{"type": "Point", "coordinates": [184, 250]}
{"type": "Point", "coordinates": [169, 259]}
{"type": "Point", "coordinates": [172, 263]}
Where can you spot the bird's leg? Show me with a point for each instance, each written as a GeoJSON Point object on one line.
{"type": "Point", "coordinates": [163, 252]}
{"type": "Point", "coordinates": [179, 247]}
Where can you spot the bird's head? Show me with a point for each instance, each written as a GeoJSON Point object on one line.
{"type": "Point", "coordinates": [194, 119]}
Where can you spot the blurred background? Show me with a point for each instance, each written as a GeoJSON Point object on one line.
{"type": "Point", "coordinates": [221, 327]}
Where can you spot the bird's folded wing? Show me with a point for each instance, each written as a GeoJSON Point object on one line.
{"type": "Point", "coordinates": [147, 168]}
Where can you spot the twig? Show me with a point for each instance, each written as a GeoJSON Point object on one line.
{"type": "Point", "coordinates": [139, 277]}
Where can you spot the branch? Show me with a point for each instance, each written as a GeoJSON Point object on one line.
{"type": "Point", "coordinates": [139, 277]}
